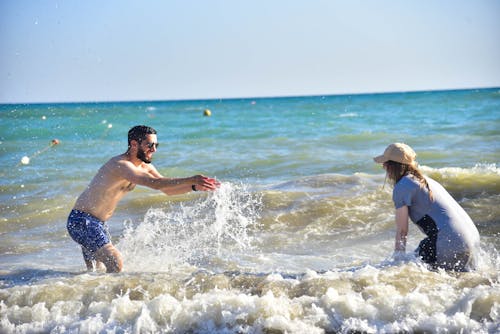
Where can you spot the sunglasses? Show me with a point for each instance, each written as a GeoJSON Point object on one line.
{"type": "Point", "coordinates": [151, 145]}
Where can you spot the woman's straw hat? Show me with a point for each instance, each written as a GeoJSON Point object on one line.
{"type": "Point", "coordinates": [398, 152]}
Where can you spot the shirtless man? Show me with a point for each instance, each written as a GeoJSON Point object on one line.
{"type": "Point", "coordinates": [86, 222]}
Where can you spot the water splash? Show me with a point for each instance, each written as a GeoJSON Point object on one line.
{"type": "Point", "coordinates": [195, 232]}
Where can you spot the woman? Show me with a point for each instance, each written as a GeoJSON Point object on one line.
{"type": "Point", "coordinates": [452, 238]}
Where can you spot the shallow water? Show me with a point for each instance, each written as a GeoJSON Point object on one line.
{"type": "Point", "coordinates": [297, 240]}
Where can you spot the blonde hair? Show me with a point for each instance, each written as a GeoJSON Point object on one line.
{"type": "Point", "coordinates": [396, 171]}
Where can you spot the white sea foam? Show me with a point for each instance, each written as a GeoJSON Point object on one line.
{"type": "Point", "coordinates": [402, 298]}
{"type": "Point", "coordinates": [478, 169]}
{"type": "Point", "coordinates": [349, 114]}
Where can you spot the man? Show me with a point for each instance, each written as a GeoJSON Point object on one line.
{"type": "Point", "coordinates": [86, 222]}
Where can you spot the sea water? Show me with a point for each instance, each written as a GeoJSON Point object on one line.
{"type": "Point", "coordinates": [298, 239]}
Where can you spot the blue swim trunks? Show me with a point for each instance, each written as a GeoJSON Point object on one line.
{"type": "Point", "coordinates": [88, 231]}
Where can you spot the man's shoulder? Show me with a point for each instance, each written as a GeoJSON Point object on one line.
{"type": "Point", "coordinates": [122, 161]}
{"type": "Point", "coordinates": [119, 160]}
{"type": "Point", "coordinates": [115, 164]}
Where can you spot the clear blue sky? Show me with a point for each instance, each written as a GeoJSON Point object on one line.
{"type": "Point", "coordinates": [95, 50]}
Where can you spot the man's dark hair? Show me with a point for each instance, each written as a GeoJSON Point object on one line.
{"type": "Point", "coordinates": [139, 133]}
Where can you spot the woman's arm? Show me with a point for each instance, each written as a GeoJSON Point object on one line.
{"type": "Point", "coordinates": [401, 229]}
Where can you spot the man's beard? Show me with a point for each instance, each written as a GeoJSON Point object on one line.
{"type": "Point", "coordinates": [141, 155]}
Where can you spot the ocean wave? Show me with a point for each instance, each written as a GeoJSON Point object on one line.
{"type": "Point", "coordinates": [349, 114]}
{"type": "Point", "coordinates": [394, 298]}
{"type": "Point", "coordinates": [478, 169]}
{"type": "Point", "coordinates": [466, 182]}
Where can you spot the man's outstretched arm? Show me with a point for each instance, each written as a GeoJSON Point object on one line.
{"type": "Point", "coordinates": [171, 186]}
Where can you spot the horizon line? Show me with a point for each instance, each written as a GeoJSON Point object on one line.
{"type": "Point", "coordinates": [253, 97]}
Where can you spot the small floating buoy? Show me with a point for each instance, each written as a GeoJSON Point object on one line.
{"type": "Point", "coordinates": [207, 113]}
{"type": "Point", "coordinates": [25, 160]}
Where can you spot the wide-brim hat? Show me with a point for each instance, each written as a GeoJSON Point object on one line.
{"type": "Point", "coordinates": [398, 152]}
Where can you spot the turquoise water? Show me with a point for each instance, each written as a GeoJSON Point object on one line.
{"type": "Point", "coordinates": [298, 239]}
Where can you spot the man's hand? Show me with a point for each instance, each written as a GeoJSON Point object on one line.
{"type": "Point", "coordinates": [203, 183]}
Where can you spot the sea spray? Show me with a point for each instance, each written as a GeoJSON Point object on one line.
{"type": "Point", "coordinates": [210, 226]}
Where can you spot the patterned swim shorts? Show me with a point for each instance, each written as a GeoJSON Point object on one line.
{"type": "Point", "coordinates": [88, 231]}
